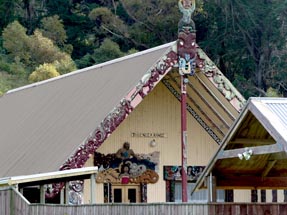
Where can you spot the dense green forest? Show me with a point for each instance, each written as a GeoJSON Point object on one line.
{"type": "Point", "coordinates": [41, 39]}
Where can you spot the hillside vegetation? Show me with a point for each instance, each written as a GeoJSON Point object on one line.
{"type": "Point", "coordinates": [41, 39]}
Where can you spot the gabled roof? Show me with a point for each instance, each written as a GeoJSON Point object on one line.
{"type": "Point", "coordinates": [59, 123]}
{"type": "Point", "coordinates": [44, 123]}
{"type": "Point", "coordinates": [253, 153]}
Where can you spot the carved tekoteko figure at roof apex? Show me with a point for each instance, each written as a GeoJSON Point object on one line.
{"type": "Point", "coordinates": [186, 45]}
{"type": "Point", "coordinates": [187, 8]}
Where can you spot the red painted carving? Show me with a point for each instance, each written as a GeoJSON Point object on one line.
{"type": "Point", "coordinates": [108, 125]}
{"type": "Point", "coordinates": [113, 120]}
{"type": "Point", "coordinates": [200, 63]}
{"type": "Point", "coordinates": [84, 152]}
{"type": "Point", "coordinates": [161, 68]}
{"type": "Point", "coordinates": [186, 48]}
{"type": "Point", "coordinates": [186, 44]}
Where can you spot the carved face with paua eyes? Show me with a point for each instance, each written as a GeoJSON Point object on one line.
{"type": "Point", "coordinates": [186, 44]}
{"type": "Point", "coordinates": [186, 48]}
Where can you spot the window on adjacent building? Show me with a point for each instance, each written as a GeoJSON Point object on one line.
{"type": "Point", "coordinates": [200, 196]}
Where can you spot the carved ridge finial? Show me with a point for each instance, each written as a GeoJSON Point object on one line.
{"type": "Point", "coordinates": [186, 7]}
{"type": "Point", "coordinates": [186, 44]}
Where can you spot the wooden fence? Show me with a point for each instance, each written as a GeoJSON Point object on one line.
{"type": "Point", "coordinates": [164, 209]}
{"type": "Point", "coordinates": [12, 203]}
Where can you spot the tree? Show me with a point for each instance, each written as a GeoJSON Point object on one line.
{"type": "Point", "coordinates": [10, 81]}
{"type": "Point", "coordinates": [65, 65]}
{"type": "Point", "coordinates": [8, 12]}
{"type": "Point", "coordinates": [243, 37]}
{"type": "Point", "coordinates": [43, 72]}
{"type": "Point", "coordinates": [16, 41]}
{"type": "Point", "coordinates": [107, 51]}
{"type": "Point", "coordinates": [53, 28]}
{"type": "Point", "coordinates": [32, 51]}
{"type": "Point", "coordinates": [109, 23]}
{"type": "Point", "coordinates": [43, 51]}
{"type": "Point", "coordinates": [153, 22]}
{"type": "Point", "coordinates": [246, 39]}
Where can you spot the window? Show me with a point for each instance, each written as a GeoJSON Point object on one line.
{"type": "Point", "coordinates": [198, 196]}
{"type": "Point", "coordinates": [126, 193]}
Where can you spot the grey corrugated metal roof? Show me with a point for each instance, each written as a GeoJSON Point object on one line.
{"type": "Point", "coordinates": [272, 115]}
{"type": "Point", "coordinates": [43, 123]}
{"type": "Point", "coordinates": [278, 106]}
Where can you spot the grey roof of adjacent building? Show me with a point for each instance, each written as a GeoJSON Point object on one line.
{"type": "Point", "coordinates": [37, 179]}
{"type": "Point", "coordinates": [271, 113]}
{"type": "Point", "coordinates": [279, 108]}
{"type": "Point", "coordinates": [43, 123]}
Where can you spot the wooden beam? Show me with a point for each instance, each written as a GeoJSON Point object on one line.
{"type": "Point", "coordinates": [251, 182]}
{"type": "Point", "coordinates": [252, 141]}
{"type": "Point", "coordinates": [217, 100]}
{"type": "Point", "coordinates": [257, 150]}
{"type": "Point", "coordinates": [268, 167]}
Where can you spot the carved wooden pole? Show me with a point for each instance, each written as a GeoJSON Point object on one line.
{"type": "Point", "coordinates": [183, 139]}
{"type": "Point", "coordinates": [186, 49]}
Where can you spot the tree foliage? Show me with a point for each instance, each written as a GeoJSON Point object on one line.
{"type": "Point", "coordinates": [246, 39]}
{"type": "Point", "coordinates": [53, 28]}
{"type": "Point", "coordinates": [43, 72]}
{"type": "Point", "coordinates": [65, 64]}
{"type": "Point", "coordinates": [8, 12]}
{"type": "Point", "coordinates": [16, 41]}
{"type": "Point", "coordinates": [108, 50]}
{"type": "Point", "coordinates": [43, 49]}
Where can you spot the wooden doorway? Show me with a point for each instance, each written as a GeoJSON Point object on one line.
{"type": "Point", "coordinates": [126, 193]}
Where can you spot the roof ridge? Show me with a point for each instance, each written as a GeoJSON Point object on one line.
{"type": "Point", "coordinates": [90, 67]}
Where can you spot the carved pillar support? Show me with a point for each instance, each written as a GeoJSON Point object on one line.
{"type": "Point", "coordinates": [184, 81]}
{"type": "Point", "coordinates": [186, 50]}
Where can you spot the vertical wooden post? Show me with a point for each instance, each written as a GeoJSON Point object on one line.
{"type": "Point", "coordinates": [186, 50]}
{"type": "Point", "coordinates": [274, 195]}
{"type": "Point", "coordinates": [184, 79]}
{"type": "Point", "coordinates": [62, 197]}
{"type": "Point", "coordinates": [42, 194]}
{"type": "Point", "coordinates": [67, 192]}
{"type": "Point", "coordinates": [211, 187]}
{"type": "Point", "coordinates": [93, 188]}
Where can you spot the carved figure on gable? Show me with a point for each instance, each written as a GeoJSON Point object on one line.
{"type": "Point", "coordinates": [186, 45]}
{"type": "Point", "coordinates": [186, 8]}
{"type": "Point", "coordinates": [125, 152]}
{"type": "Point", "coordinates": [186, 48]}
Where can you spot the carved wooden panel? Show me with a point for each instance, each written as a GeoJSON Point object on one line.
{"type": "Point", "coordinates": [136, 171]}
